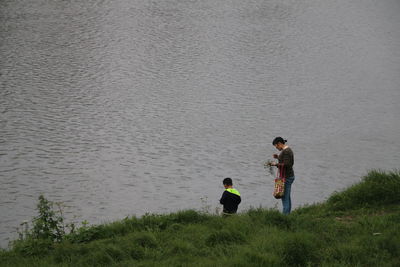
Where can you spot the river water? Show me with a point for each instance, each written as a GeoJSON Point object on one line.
{"type": "Point", "coordinates": [120, 108]}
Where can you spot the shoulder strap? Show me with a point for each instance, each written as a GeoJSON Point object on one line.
{"type": "Point", "coordinates": [281, 171]}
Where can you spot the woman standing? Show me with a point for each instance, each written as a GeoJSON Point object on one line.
{"type": "Point", "coordinates": [285, 166]}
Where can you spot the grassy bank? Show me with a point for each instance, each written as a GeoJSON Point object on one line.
{"type": "Point", "coordinates": [356, 227]}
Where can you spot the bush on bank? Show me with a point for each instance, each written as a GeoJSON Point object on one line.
{"type": "Point", "coordinates": [375, 190]}
{"type": "Point", "coordinates": [355, 227]}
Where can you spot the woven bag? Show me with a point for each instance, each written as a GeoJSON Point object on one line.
{"type": "Point", "coordinates": [279, 189]}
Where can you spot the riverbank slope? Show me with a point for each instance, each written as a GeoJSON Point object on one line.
{"type": "Point", "coordinates": [356, 227]}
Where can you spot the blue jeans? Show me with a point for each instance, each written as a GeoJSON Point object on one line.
{"type": "Point", "coordinates": [286, 201]}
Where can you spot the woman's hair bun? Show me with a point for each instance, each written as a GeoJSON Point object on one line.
{"type": "Point", "coordinates": [279, 140]}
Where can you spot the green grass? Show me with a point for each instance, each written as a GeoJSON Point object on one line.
{"type": "Point", "coordinates": [356, 227]}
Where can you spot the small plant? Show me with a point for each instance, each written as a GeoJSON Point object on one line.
{"type": "Point", "coordinates": [268, 165]}
{"type": "Point", "coordinates": [48, 224]}
{"type": "Point", "coordinates": [205, 207]}
{"type": "Point", "coordinates": [23, 230]}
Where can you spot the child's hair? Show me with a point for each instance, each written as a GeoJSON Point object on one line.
{"type": "Point", "coordinates": [227, 181]}
{"type": "Point", "coordinates": [278, 140]}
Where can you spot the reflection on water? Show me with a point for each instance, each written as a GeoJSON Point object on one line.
{"type": "Point", "coordinates": [125, 107]}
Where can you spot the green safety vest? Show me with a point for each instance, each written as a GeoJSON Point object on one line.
{"type": "Point", "coordinates": [233, 191]}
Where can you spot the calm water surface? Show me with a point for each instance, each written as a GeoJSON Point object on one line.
{"type": "Point", "coordinates": [118, 108]}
